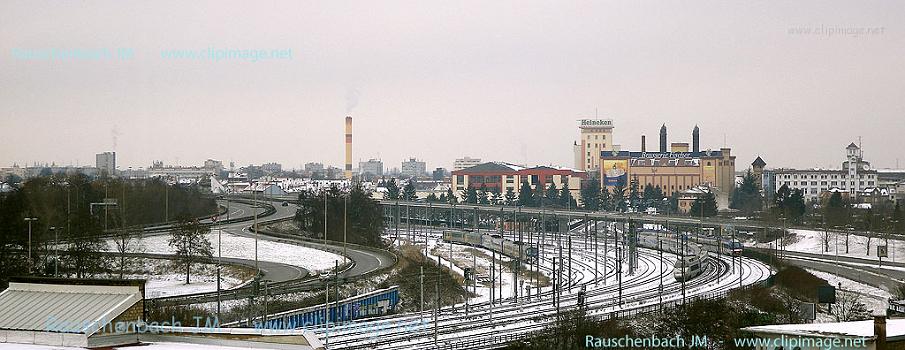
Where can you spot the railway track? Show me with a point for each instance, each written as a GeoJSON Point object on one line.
{"type": "Point", "coordinates": [488, 326]}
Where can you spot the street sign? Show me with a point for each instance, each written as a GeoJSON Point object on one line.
{"type": "Point", "coordinates": [531, 252]}
{"type": "Point", "coordinates": [826, 295]}
{"type": "Point", "coordinates": [468, 273]}
{"type": "Point", "coordinates": [881, 251]}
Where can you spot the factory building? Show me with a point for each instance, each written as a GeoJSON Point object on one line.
{"type": "Point", "coordinates": [502, 177]}
{"type": "Point", "coordinates": [676, 169]}
{"type": "Point", "coordinates": [596, 135]}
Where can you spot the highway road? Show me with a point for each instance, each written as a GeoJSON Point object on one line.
{"type": "Point", "coordinates": [286, 278]}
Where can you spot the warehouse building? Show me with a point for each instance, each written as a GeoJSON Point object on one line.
{"type": "Point", "coordinates": [672, 170]}
{"type": "Point", "coordinates": [78, 313]}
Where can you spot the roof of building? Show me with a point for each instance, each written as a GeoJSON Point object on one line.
{"type": "Point", "coordinates": [677, 155]}
{"type": "Point", "coordinates": [759, 162]}
{"type": "Point", "coordinates": [894, 328]}
{"type": "Point", "coordinates": [64, 308]}
{"type": "Point", "coordinates": [852, 145]}
{"type": "Point", "coordinates": [491, 167]}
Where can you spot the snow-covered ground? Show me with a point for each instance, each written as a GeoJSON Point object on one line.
{"type": "Point", "coordinates": [240, 247]}
{"type": "Point", "coordinates": [875, 299]}
{"type": "Point", "coordinates": [811, 241]}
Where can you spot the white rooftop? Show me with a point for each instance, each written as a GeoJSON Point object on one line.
{"type": "Point", "coordinates": [894, 328]}
{"type": "Point", "coordinates": [62, 308]}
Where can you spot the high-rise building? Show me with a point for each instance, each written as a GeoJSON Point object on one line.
{"type": "Point", "coordinates": [596, 135]}
{"type": "Point", "coordinates": [212, 164]}
{"type": "Point", "coordinates": [467, 162]}
{"type": "Point", "coordinates": [438, 174]}
{"type": "Point", "coordinates": [371, 168]}
{"type": "Point", "coordinates": [413, 168]}
{"type": "Point", "coordinates": [272, 168]}
{"type": "Point", "coordinates": [106, 163]}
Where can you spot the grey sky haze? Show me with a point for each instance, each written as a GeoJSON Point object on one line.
{"type": "Point", "coordinates": [499, 80]}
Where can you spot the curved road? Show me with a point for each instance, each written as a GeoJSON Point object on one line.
{"type": "Point", "coordinates": [287, 278]}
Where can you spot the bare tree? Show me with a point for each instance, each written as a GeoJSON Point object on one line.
{"type": "Point", "coordinates": [849, 307]}
{"type": "Point", "coordinates": [191, 244]}
{"type": "Point", "coordinates": [127, 241]}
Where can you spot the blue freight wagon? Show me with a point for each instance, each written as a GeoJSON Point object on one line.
{"type": "Point", "coordinates": [376, 303]}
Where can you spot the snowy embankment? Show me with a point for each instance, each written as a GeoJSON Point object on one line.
{"type": "Point", "coordinates": [240, 247]}
{"type": "Point", "coordinates": [875, 299]}
{"type": "Point", "coordinates": [820, 242]}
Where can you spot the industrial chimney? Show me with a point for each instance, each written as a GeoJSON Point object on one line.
{"type": "Point", "coordinates": [696, 139]}
{"type": "Point", "coordinates": [348, 172]}
{"type": "Point", "coordinates": [643, 144]}
{"type": "Point", "coordinates": [663, 138]}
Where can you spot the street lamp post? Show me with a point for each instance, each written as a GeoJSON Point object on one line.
{"type": "Point", "coordinates": [55, 250]}
{"type": "Point", "coordinates": [29, 220]}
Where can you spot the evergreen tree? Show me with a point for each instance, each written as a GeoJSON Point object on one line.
{"type": "Point", "coordinates": [647, 199]}
{"type": "Point", "coordinates": [789, 203]}
{"type": "Point", "coordinates": [392, 190]}
{"type": "Point", "coordinates": [526, 195]}
{"type": "Point", "coordinates": [634, 195]}
{"type": "Point", "coordinates": [495, 197]}
{"type": "Point", "coordinates": [510, 196]}
{"type": "Point", "coordinates": [673, 203]}
{"type": "Point", "coordinates": [409, 193]}
{"type": "Point", "coordinates": [451, 196]}
{"type": "Point", "coordinates": [747, 198]}
{"type": "Point", "coordinates": [365, 216]}
{"type": "Point", "coordinates": [605, 201]}
{"type": "Point", "coordinates": [590, 195]}
{"type": "Point", "coordinates": [433, 197]}
{"type": "Point", "coordinates": [471, 195]}
{"type": "Point", "coordinates": [552, 196]}
{"type": "Point", "coordinates": [837, 210]}
{"type": "Point", "coordinates": [618, 198]}
{"type": "Point", "coordinates": [706, 203]}
{"type": "Point", "coordinates": [565, 196]}
{"type": "Point", "coordinates": [482, 195]}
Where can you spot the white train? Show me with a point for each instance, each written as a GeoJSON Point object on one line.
{"type": "Point", "coordinates": [692, 256]}
{"type": "Point", "coordinates": [487, 241]}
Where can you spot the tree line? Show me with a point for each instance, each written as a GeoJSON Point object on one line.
{"type": "Point", "coordinates": [350, 212]}
{"type": "Point", "coordinates": [69, 221]}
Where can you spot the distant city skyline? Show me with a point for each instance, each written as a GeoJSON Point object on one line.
{"type": "Point", "coordinates": [793, 83]}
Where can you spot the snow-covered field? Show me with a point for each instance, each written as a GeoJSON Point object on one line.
{"type": "Point", "coordinates": [163, 279]}
{"type": "Point", "coordinates": [875, 299]}
{"type": "Point", "coordinates": [810, 241]}
{"type": "Point", "coordinates": [240, 247]}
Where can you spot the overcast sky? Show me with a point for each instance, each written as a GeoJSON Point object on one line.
{"type": "Point", "coordinates": [441, 80]}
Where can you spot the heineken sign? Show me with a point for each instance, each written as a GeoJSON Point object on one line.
{"type": "Point", "coordinates": [605, 123]}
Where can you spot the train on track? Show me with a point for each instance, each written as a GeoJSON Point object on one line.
{"type": "Point", "coordinates": [376, 303]}
{"type": "Point", "coordinates": [691, 255]}
{"type": "Point", "coordinates": [487, 241]}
